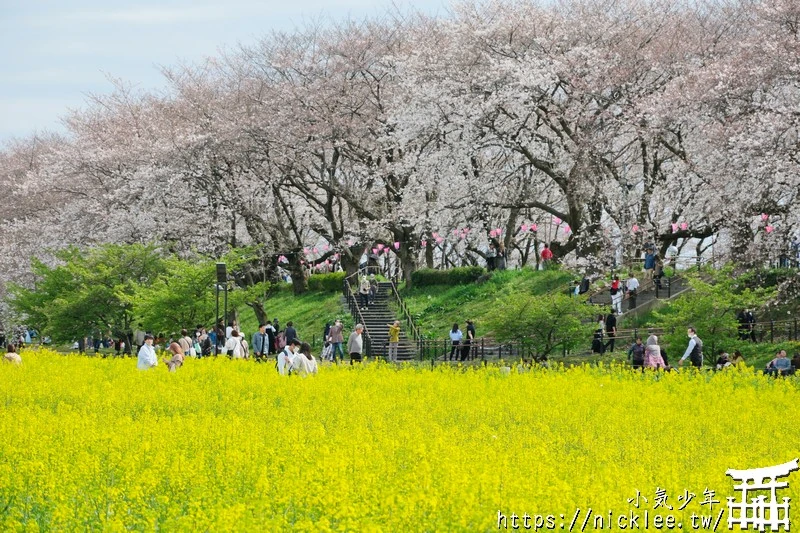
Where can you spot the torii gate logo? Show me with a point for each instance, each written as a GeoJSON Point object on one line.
{"type": "Point", "coordinates": [758, 512]}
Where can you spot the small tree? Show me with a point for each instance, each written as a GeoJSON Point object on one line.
{"type": "Point", "coordinates": [91, 292]}
{"type": "Point", "coordinates": [545, 323]}
{"type": "Point", "coordinates": [711, 308]}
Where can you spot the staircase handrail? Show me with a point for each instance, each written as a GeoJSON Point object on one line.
{"type": "Point", "coordinates": [415, 333]}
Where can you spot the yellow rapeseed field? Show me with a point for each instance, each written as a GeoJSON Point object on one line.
{"type": "Point", "coordinates": [92, 444]}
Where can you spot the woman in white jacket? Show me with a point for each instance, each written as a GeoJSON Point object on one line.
{"type": "Point", "coordinates": [233, 346]}
{"type": "Point", "coordinates": [303, 363]}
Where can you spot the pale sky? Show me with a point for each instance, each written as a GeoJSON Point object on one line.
{"type": "Point", "coordinates": [54, 52]}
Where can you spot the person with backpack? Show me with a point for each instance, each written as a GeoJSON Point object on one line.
{"type": "Point", "coordinates": [694, 351]}
{"type": "Point", "coordinates": [285, 358]}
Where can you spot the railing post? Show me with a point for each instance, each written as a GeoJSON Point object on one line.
{"type": "Point", "coordinates": [483, 353]}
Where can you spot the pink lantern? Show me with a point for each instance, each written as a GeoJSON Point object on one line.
{"type": "Point", "coordinates": [282, 259]}
{"type": "Point", "coordinates": [684, 226]}
{"type": "Point", "coordinates": [769, 229]}
{"type": "Point", "coordinates": [499, 231]}
{"type": "Point", "coordinates": [674, 228]}
{"type": "Point", "coordinates": [423, 243]}
{"type": "Point", "coordinates": [306, 251]}
{"type": "Point", "coordinates": [439, 240]}
{"type": "Point", "coordinates": [396, 245]}
{"type": "Point", "coordinates": [336, 256]}
{"type": "Point", "coordinates": [556, 221]}
{"type": "Point", "coordinates": [764, 217]}
{"type": "Point", "coordinates": [492, 233]}
{"type": "Point", "coordinates": [350, 242]}
{"type": "Point", "coordinates": [374, 251]}
{"type": "Point", "coordinates": [380, 247]}
{"type": "Point", "coordinates": [435, 234]}
{"type": "Point", "coordinates": [302, 262]}
{"type": "Point", "coordinates": [534, 227]}
{"type": "Point", "coordinates": [524, 227]}
{"type": "Point", "coordinates": [325, 247]}
{"type": "Point", "coordinates": [327, 261]}
{"type": "Point", "coordinates": [566, 229]}
{"type": "Point", "coordinates": [316, 250]}
{"type": "Point", "coordinates": [635, 228]}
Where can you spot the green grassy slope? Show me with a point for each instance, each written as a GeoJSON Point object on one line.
{"type": "Point", "coordinates": [436, 308]}
{"type": "Point", "coordinates": [308, 312]}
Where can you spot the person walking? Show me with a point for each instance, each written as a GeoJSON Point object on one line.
{"type": "Point", "coordinates": [260, 343]}
{"type": "Point", "coordinates": [636, 353]}
{"type": "Point", "coordinates": [616, 294]}
{"type": "Point", "coordinates": [652, 353]}
{"type": "Point", "coordinates": [455, 340]}
{"type": "Point", "coordinates": [363, 293]}
{"type": "Point", "coordinates": [632, 286]}
{"type": "Point", "coordinates": [394, 340]}
{"type": "Point", "coordinates": [336, 338]}
{"type": "Point", "coordinates": [271, 334]}
{"type": "Point", "coordinates": [373, 289]}
{"type": "Point", "coordinates": [694, 351]}
{"type": "Point", "coordinates": [611, 331]}
{"type": "Point", "coordinates": [355, 344]}
{"type": "Point", "coordinates": [649, 264]}
{"type": "Point", "coordinates": [147, 354]}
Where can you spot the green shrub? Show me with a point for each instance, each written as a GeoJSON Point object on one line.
{"type": "Point", "coordinates": [454, 276]}
{"type": "Point", "coordinates": [332, 282]}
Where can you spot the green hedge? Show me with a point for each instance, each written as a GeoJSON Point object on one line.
{"type": "Point", "coordinates": [454, 276]}
{"type": "Point", "coordinates": [326, 282]}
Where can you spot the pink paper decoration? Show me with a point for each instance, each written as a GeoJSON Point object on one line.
{"type": "Point", "coordinates": [674, 228]}
{"type": "Point", "coordinates": [556, 221]}
{"type": "Point", "coordinates": [635, 228]}
{"type": "Point", "coordinates": [498, 231]}
{"type": "Point", "coordinates": [316, 250]}
{"type": "Point", "coordinates": [439, 240]}
{"type": "Point", "coordinates": [764, 217]}
{"type": "Point", "coordinates": [336, 256]}
{"type": "Point", "coordinates": [492, 233]}
{"type": "Point", "coordinates": [282, 259]}
{"type": "Point", "coordinates": [423, 243]}
{"type": "Point", "coordinates": [396, 245]}
{"type": "Point", "coordinates": [566, 228]}
{"type": "Point", "coordinates": [350, 242]}
{"type": "Point", "coordinates": [769, 229]}
{"type": "Point", "coordinates": [375, 251]}
{"type": "Point", "coordinates": [306, 251]}
{"type": "Point", "coordinates": [524, 227]}
{"type": "Point", "coordinates": [325, 247]}
{"type": "Point", "coordinates": [684, 226]}
{"type": "Point", "coordinates": [534, 227]}
{"type": "Point", "coordinates": [435, 234]}
{"type": "Point", "coordinates": [380, 247]}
